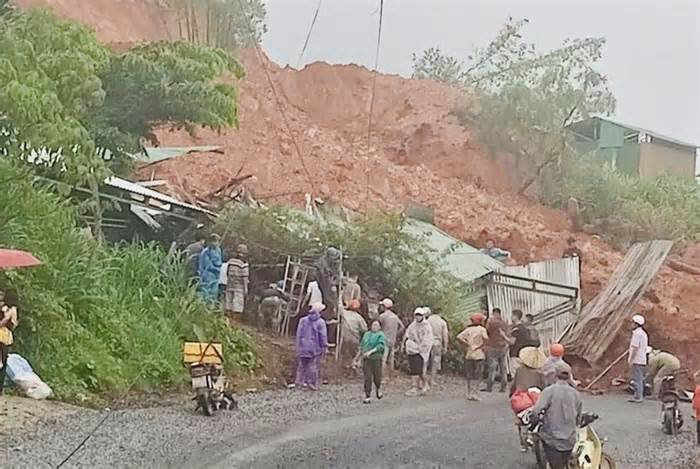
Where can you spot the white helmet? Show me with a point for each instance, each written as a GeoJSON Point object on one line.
{"type": "Point", "coordinates": [638, 319]}
{"type": "Point", "coordinates": [387, 303]}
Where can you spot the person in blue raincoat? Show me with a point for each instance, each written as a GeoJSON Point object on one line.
{"type": "Point", "coordinates": [209, 267]}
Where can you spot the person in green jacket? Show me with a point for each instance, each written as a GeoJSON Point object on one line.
{"type": "Point", "coordinates": [372, 348]}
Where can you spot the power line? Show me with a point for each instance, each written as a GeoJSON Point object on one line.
{"type": "Point", "coordinates": [308, 34]}
{"type": "Point", "coordinates": [278, 101]}
{"type": "Point", "coordinates": [374, 92]}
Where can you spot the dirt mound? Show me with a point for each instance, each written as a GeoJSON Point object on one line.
{"type": "Point", "coordinates": [114, 20]}
{"type": "Point", "coordinates": [419, 153]}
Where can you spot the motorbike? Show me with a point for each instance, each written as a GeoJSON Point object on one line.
{"type": "Point", "coordinates": [588, 449]}
{"type": "Point", "coordinates": [205, 363]}
{"type": "Point", "coordinates": [671, 416]}
{"type": "Point", "coordinates": [528, 431]}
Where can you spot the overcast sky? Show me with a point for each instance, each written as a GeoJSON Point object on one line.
{"type": "Point", "coordinates": [652, 56]}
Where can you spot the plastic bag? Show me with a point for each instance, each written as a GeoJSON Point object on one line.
{"type": "Point", "coordinates": [20, 372]}
{"type": "Point", "coordinates": [521, 400]}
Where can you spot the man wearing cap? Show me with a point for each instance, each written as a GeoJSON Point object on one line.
{"type": "Point", "coordinates": [561, 405]}
{"type": "Point", "coordinates": [637, 357]}
{"type": "Point", "coordinates": [474, 336]}
{"type": "Point", "coordinates": [441, 339]}
{"type": "Point", "coordinates": [418, 341]}
{"type": "Point", "coordinates": [392, 328]}
{"type": "Point", "coordinates": [556, 357]}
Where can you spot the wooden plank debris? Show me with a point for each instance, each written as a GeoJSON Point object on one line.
{"type": "Point", "coordinates": [600, 320]}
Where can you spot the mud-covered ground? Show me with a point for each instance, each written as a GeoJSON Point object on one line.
{"type": "Point", "coordinates": [333, 428]}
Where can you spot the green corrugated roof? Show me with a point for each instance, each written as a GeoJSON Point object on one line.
{"type": "Point", "coordinates": [637, 129]}
{"type": "Point", "coordinates": [465, 262]}
{"type": "Point", "coordinates": [156, 154]}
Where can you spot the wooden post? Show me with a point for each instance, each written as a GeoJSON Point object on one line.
{"type": "Point", "coordinates": [605, 371]}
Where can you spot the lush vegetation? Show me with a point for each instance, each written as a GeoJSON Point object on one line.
{"type": "Point", "coordinates": [376, 247]}
{"type": "Point", "coordinates": [96, 319]}
{"type": "Point", "coordinates": [66, 96]}
{"type": "Point", "coordinates": [525, 99]}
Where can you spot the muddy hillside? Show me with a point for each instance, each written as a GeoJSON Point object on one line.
{"type": "Point", "coordinates": [417, 153]}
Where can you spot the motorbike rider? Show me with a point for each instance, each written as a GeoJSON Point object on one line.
{"type": "Point", "coordinates": [560, 406]}
{"type": "Point", "coordinates": [556, 356]}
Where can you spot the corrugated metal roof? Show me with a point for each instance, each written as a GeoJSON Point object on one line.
{"type": "Point", "coordinates": [156, 154]}
{"type": "Point", "coordinates": [462, 260]}
{"type": "Point", "coordinates": [558, 271]}
{"type": "Point", "coordinates": [655, 135]}
{"type": "Point", "coordinates": [145, 192]}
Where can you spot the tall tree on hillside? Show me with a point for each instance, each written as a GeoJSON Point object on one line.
{"type": "Point", "coordinates": [527, 97]}
{"type": "Point", "coordinates": [66, 102]}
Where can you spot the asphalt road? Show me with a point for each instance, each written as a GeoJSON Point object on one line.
{"type": "Point", "coordinates": [333, 428]}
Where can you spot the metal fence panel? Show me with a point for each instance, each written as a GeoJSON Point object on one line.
{"type": "Point", "coordinates": [509, 294]}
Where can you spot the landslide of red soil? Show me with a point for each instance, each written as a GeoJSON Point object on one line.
{"type": "Point", "coordinates": [114, 20]}
{"type": "Point", "coordinates": [418, 153]}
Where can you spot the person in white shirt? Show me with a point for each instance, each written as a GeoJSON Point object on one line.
{"type": "Point", "coordinates": [637, 357]}
{"type": "Point", "coordinates": [313, 292]}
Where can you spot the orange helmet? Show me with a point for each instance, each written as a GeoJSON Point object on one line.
{"type": "Point", "coordinates": [478, 318]}
{"type": "Point", "coordinates": [354, 305]}
{"type": "Point", "coordinates": [556, 350]}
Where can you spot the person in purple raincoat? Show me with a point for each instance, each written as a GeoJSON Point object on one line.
{"type": "Point", "coordinates": [311, 345]}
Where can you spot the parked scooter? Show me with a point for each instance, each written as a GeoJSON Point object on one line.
{"type": "Point", "coordinates": [671, 416]}
{"type": "Point", "coordinates": [205, 362]}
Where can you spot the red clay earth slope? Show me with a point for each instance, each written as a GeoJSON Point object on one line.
{"type": "Point", "coordinates": [418, 153]}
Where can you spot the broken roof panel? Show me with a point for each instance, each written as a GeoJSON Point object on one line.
{"type": "Point", "coordinates": [154, 197]}
{"type": "Point", "coordinates": [465, 262]}
{"type": "Point", "coordinates": [155, 154]}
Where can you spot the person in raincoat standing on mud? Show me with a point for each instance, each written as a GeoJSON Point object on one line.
{"type": "Point", "coordinates": [311, 345]}
{"type": "Point", "coordinates": [209, 267]}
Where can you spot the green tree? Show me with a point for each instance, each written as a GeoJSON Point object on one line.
{"type": "Point", "coordinates": [162, 83]}
{"type": "Point", "coordinates": [66, 101]}
{"type": "Point", "coordinates": [432, 64]}
{"type": "Point", "coordinates": [526, 98]}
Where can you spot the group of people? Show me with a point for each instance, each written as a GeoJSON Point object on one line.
{"type": "Point", "coordinates": [218, 278]}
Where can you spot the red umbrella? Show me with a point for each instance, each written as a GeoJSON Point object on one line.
{"type": "Point", "coordinates": [11, 258]}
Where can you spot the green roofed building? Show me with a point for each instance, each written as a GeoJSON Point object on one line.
{"type": "Point", "coordinates": [633, 150]}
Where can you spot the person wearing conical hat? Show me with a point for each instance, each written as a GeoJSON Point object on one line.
{"type": "Point", "coordinates": [528, 375]}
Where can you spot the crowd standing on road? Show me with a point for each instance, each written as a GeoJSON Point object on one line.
{"type": "Point", "coordinates": [494, 350]}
